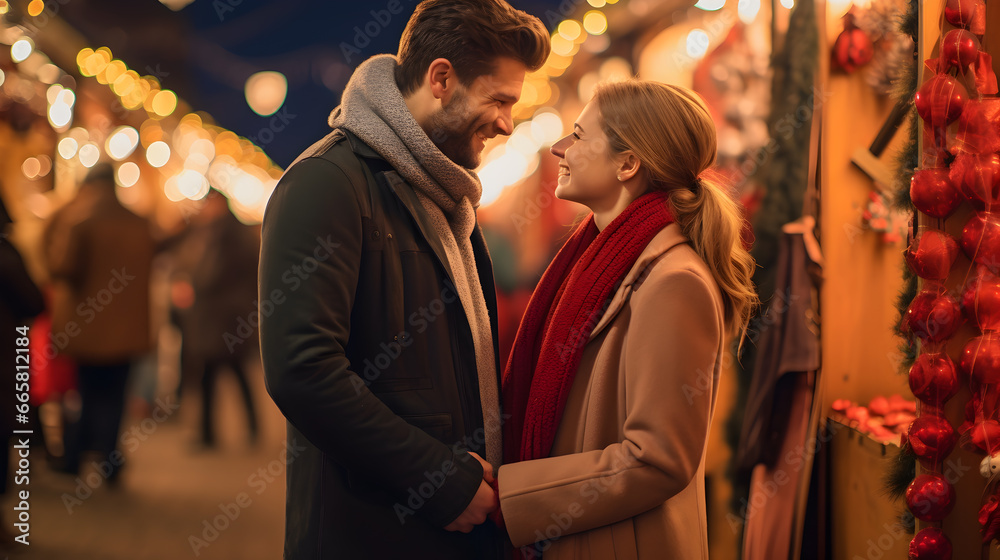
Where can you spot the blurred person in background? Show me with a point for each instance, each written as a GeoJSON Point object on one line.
{"type": "Point", "coordinates": [219, 330]}
{"type": "Point", "coordinates": [381, 349]}
{"type": "Point", "coordinates": [20, 300]}
{"type": "Point", "coordinates": [99, 256]}
{"type": "Point", "coordinates": [628, 324]}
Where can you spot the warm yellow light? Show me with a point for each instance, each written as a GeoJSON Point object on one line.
{"type": "Point", "coordinates": [561, 45]}
{"type": "Point", "coordinates": [265, 92]}
{"type": "Point", "coordinates": [128, 174]}
{"type": "Point", "coordinates": [697, 43]}
{"type": "Point", "coordinates": [158, 153]}
{"type": "Point", "coordinates": [595, 22]}
{"type": "Point", "coordinates": [164, 103]}
{"type": "Point", "coordinates": [570, 29]}
{"type": "Point", "coordinates": [31, 167]}
{"type": "Point", "coordinates": [124, 85]}
{"type": "Point", "coordinates": [597, 3]}
{"type": "Point", "coordinates": [83, 55]}
{"type": "Point", "coordinates": [67, 147]}
{"type": "Point", "coordinates": [122, 142]}
{"type": "Point", "coordinates": [612, 1]}
{"type": "Point", "coordinates": [4, 7]}
{"type": "Point", "coordinates": [35, 8]}
{"type": "Point", "coordinates": [21, 49]}
{"type": "Point", "coordinates": [113, 71]}
{"type": "Point", "coordinates": [710, 5]}
{"type": "Point", "coordinates": [89, 154]}
{"type": "Point", "coordinates": [48, 73]}
{"type": "Point", "coordinates": [60, 115]}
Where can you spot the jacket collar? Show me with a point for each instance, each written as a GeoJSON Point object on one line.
{"type": "Point", "coordinates": [667, 238]}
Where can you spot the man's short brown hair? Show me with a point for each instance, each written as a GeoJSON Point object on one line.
{"type": "Point", "coordinates": [471, 34]}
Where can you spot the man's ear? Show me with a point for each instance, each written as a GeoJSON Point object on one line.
{"type": "Point", "coordinates": [442, 79]}
{"type": "Point", "coordinates": [629, 166]}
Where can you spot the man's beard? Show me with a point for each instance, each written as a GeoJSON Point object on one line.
{"type": "Point", "coordinates": [452, 129]}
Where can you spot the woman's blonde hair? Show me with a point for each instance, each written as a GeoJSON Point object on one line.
{"type": "Point", "coordinates": [671, 132]}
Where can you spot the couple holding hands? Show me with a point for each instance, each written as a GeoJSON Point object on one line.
{"type": "Point", "coordinates": [418, 442]}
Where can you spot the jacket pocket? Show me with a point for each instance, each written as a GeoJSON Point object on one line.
{"type": "Point", "coordinates": [438, 426]}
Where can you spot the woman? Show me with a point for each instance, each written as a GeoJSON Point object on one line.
{"type": "Point", "coordinates": [611, 382]}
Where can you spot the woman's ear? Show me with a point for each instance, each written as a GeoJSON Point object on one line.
{"type": "Point", "coordinates": [629, 166]}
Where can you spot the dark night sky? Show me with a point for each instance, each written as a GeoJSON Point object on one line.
{"type": "Point", "coordinates": [209, 48]}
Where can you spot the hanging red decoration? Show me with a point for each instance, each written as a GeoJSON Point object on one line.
{"type": "Point", "coordinates": [933, 316]}
{"type": "Point", "coordinates": [930, 544]}
{"type": "Point", "coordinates": [933, 379]}
{"type": "Point", "coordinates": [931, 438]}
{"type": "Point", "coordinates": [930, 497]}
{"type": "Point", "coordinates": [981, 301]}
{"type": "Point", "coordinates": [932, 254]}
{"type": "Point", "coordinates": [967, 14]}
{"type": "Point", "coordinates": [981, 358]}
{"type": "Point", "coordinates": [933, 193]}
{"type": "Point", "coordinates": [853, 48]}
{"type": "Point", "coordinates": [959, 49]}
{"type": "Point", "coordinates": [940, 100]}
{"type": "Point", "coordinates": [989, 518]}
{"type": "Point", "coordinates": [979, 127]}
{"type": "Point", "coordinates": [981, 240]}
{"type": "Point", "coordinates": [978, 176]}
{"type": "Point", "coordinates": [985, 436]}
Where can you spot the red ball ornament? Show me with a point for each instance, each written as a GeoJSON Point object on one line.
{"type": "Point", "coordinates": [933, 193]}
{"type": "Point", "coordinates": [981, 358]}
{"type": "Point", "coordinates": [981, 301]}
{"type": "Point", "coordinates": [930, 544]}
{"type": "Point", "coordinates": [931, 438]}
{"type": "Point", "coordinates": [978, 176]}
{"type": "Point", "coordinates": [981, 240]}
{"type": "Point", "coordinates": [932, 254]}
{"type": "Point", "coordinates": [853, 49]}
{"type": "Point", "coordinates": [930, 497]}
{"type": "Point", "coordinates": [933, 378]}
{"type": "Point", "coordinates": [932, 316]}
{"type": "Point", "coordinates": [960, 13]}
{"type": "Point", "coordinates": [959, 49]}
{"type": "Point", "coordinates": [940, 100]}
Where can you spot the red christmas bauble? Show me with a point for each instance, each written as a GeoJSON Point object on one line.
{"type": "Point", "coordinates": [978, 176]}
{"type": "Point", "coordinates": [981, 240]}
{"type": "Point", "coordinates": [931, 438]}
{"type": "Point", "coordinates": [930, 544]}
{"type": "Point", "coordinates": [986, 436]}
{"type": "Point", "coordinates": [930, 497]}
{"type": "Point", "coordinates": [933, 378]}
{"type": "Point", "coordinates": [960, 12]}
{"type": "Point", "coordinates": [932, 316]}
{"type": "Point", "coordinates": [853, 49]}
{"type": "Point", "coordinates": [981, 301]}
{"type": "Point", "coordinates": [940, 100]}
{"type": "Point", "coordinates": [932, 254]}
{"type": "Point", "coordinates": [959, 49]}
{"type": "Point", "coordinates": [933, 193]}
{"type": "Point", "coordinates": [981, 358]}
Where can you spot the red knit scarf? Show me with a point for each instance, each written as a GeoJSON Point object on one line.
{"type": "Point", "coordinates": [564, 309]}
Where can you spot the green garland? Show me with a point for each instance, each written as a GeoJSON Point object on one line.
{"type": "Point", "coordinates": [902, 471]}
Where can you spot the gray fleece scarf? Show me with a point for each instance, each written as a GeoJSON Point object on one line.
{"type": "Point", "coordinates": [373, 108]}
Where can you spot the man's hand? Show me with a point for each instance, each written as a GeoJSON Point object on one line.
{"type": "Point", "coordinates": [487, 468]}
{"type": "Point", "coordinates": [483, 503]}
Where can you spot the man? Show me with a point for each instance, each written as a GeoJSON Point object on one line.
{"type": "Point", "coordinates": [99, 255]}
{"type": "Point", "coordinates": [377, 298]}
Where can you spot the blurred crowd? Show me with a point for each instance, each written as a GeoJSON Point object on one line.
{"type": "Point", "coordinates": [123, 316]}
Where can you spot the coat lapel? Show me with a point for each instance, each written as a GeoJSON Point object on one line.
{"type": "Point", "coordinates": [668, 238]}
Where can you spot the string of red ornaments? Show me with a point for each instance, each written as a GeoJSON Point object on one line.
{"type": "Point", "coordinates": [959, 162]}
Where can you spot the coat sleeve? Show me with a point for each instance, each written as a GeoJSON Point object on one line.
{"type": "Point", "coordinates": [17, 290]}
{"type": "Point", "coordinates": [671, 361]}
{"type": "Point", "coordinates": [310, 258]}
